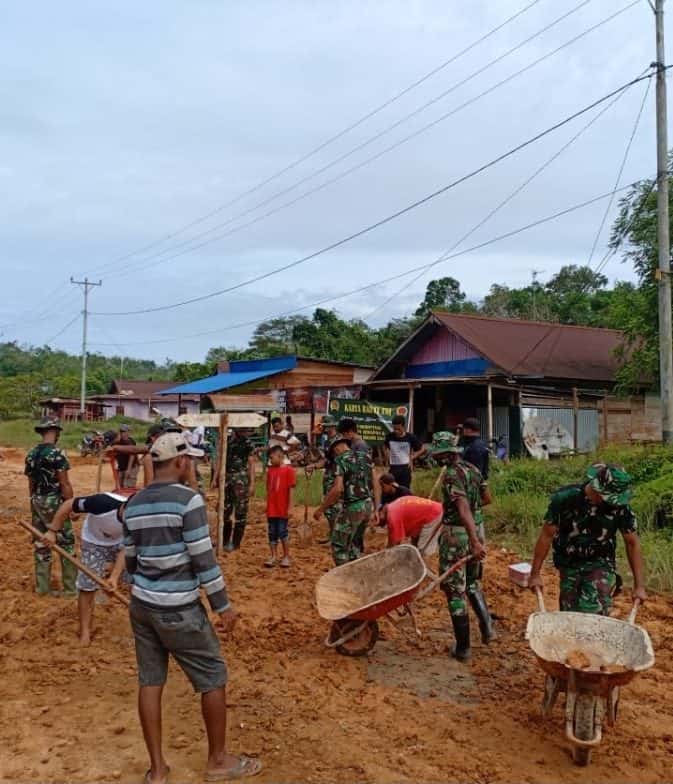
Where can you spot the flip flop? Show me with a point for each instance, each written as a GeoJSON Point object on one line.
{"type": "Point", "coordinates": [246, 768]}
{"type": "Point", "coordinates": [146, 777]}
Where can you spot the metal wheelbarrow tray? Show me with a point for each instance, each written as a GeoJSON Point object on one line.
{"type": "Point", "coordinates": [355, 594]}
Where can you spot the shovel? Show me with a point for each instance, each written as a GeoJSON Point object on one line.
{"type": "Point", "coordinates": [84, 569]}
{"type": "Point", "coordinates": [304, 529]}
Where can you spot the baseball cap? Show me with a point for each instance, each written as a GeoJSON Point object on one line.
{"type": "Point", "coordinates": [170, 445]}
{"type": "Point", "coordinates": [611, 482]}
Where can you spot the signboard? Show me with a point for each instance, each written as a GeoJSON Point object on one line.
{"type": "Point", "coordinates": [247, 420]}
{"type": "Point", "coordinates": [374, 420]}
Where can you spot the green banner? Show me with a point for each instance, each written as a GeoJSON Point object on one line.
{"type": "Point", "coordinates": [374, 420]}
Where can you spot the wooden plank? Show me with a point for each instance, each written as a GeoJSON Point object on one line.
{"type": "Point", "coordinates": [249, 419]}
{"type": "Point", "coordinates": [221, 484]}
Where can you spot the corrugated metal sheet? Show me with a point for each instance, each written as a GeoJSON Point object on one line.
{"type": "Point", "coordinates": [443, 346]}
{"type": "Point", "coordinates": [588, 423]}
{"type": "Point", "coordinates": [205, 386]}
{"type": "Point", "coordinates": [500, 422]}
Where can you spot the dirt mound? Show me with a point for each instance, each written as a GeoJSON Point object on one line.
{"type": "Point", "coordinates": [404, 714]}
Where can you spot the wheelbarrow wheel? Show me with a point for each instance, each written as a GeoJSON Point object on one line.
{"type": "Point", "coordinates": [584, 727]}
{"type": "Point", "coordinates": [361, 643]}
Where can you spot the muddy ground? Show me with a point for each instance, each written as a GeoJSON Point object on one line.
{"type": "Point", "coordinates": [404, 714]}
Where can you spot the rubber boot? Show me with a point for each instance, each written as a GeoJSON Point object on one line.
{"type": "Point", "coordinates": [42, 577]}
{"type": "Point", "coordinates": [461, 630]}
{"type": "Point", "coordinates": [239, 530]}
{"type": "Point", "coordinates": [68, 577]}
{"type": "Point", "coordinates": [478, 602]}
{"type": "Point", "coordinates": [226, 535]}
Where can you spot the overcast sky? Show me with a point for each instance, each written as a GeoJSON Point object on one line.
{"type": "Point", "coordinates": [121, 123]}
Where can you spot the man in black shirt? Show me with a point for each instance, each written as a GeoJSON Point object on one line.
{"type": "Point", "coordinates": [475, 449]}
{"type": "Point", "coordinates": [125, 461]}
{"type": "Point", "coordinates": [402, 449]}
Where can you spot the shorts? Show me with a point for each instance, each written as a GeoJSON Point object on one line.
{"type": "Point", "coordinates": [186, 634]}
{"type": "Point", "coordinates": [96, 557]}
{"type": "Point", "coordinates": [277, 529]}
{"type": "Point", "coordinates": [424, 536]}
{"type": "Point", "coordinates": [402, 474]}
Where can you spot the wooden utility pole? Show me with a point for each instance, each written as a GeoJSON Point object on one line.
{"type": "Point", "coordinates": [86, 284]}
{"type": "Point", "coordinates": [222, 481]}
{"type": "Point", "coordinates": [663, 237]}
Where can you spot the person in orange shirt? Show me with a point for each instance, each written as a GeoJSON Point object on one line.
{"type": "Point", "coordinates": [411, 517]}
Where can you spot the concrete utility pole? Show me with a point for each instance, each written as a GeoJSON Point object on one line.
{"type": "Point", "coordinates": [86, 284]}
{"type": "Point", "coordinates": [663, 237]}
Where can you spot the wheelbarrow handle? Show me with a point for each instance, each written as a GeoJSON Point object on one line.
{"type": "Point", "coordinates": [634, 611]}
{"type": "Point", "coordinates": [540, 600]}
{"type": "Point", "coordinates": [454, 568]}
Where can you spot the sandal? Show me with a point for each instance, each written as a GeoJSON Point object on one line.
{"type": "Point", "coordinates": [246, 767]}
{"type": "Point", "coordinates": [270, 563]}
{"type": "Point", "coordinates": [285, 563]}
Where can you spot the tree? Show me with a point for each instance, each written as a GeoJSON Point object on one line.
{"type": "Point", "coordinates": [444, 294]}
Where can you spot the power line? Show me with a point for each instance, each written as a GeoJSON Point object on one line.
{"type": "Point", "coordinates": [62, 330]}
{"type": "Point", "coordinates": [500, 206]}
{"type": "Point", "coordinates": [622, 166]}
{"type": "Point", "coordinates": [350, 153]}
{"type": "Point", "coordinates": [298, 161]}
{"type": "Point", "coordinates": [383, 221]}
{"type": "Point", "coordinates": [391, 278]}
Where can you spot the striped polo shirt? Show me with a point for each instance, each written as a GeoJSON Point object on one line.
{"type": "Point", "coordinates": [169, 554]}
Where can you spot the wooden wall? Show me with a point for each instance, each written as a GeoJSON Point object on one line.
{"type": "Point", "coordinates": [637, 418]}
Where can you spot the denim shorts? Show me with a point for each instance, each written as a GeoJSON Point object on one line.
{"type": "Point", "coordinates": [277, 529]}
{"type": "Point", "coordinates": [186, 634]}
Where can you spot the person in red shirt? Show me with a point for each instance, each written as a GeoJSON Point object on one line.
{"type": "Point", "coordinates": [411, 517]}
{"type": "Point", "coordinates": [280, 479]}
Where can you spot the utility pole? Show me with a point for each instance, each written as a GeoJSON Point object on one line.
{"type": "Point", "coordinates": [663, 237]}
{"type": "Point", "coordinates": [86, 284]}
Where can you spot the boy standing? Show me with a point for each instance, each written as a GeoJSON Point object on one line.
{"type": "Point", "coordinates": [169, 557]}
{"type": "Point", "coordinates": [280, 479]}
{"type": "Point", "coordinates": [402, 448]}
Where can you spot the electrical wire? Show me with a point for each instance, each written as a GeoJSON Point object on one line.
{"type": "Point", "coordinates": [330, 140]}
{"type": "Point", "coordinates": [61, 331]}
{"type": "Point", "coordinates": [398, 276]}
{"type": "Point", "coordinates": [383, 221]}
{"type": "Point", "coordinates": [500, 206]}
{"type": "Point", "coordinates": [347, 154]}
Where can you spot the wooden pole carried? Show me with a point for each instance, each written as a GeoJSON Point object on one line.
{"type": "Point", "coordinates": [221, 482]}
{"type": "Point", "coordinates": [84, 569]}
{"type": "Point", "coordinates": [437, 483]}
{"type": "Point", "coordinates": [99, 473]}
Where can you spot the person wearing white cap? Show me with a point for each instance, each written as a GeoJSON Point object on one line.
{"type": "Point", "coordinates": [169, 557]}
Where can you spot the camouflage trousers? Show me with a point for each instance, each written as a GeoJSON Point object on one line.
{"type": "Point", "coordinates": [454, 544]}
{"type": "Point", "coordinates": [236, 497]}
{"type": "Point", "coordinates": [43, 508]}
{"type": "Point", "coordinates": [347, 538]}
{"type": "Point", "coordinates": [587, 589]}
{"type": "Point", "coordinates": [332, 514]}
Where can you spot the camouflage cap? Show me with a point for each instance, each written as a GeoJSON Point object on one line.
{"type": "Point", "coordinates": [48, 423]}
{"type": "Point", "coordinates": [611, 482]}
{"type": "Point", "coordinates": [329, 421]}
{"type": "Point", "coordinates": [445, 441]}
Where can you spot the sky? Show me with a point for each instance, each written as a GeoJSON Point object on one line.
{"type": "Point", "coordinates": [165, 148]}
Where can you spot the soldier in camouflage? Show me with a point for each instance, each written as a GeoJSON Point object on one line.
{"type": "Point", "coordinates": [239, 487]}
{"type": "Point", "coordinates": [462, 534]}
{"type": "Point", "coordinates": [581, 524]}
{"type": "Point", "coordinates": [49, 486]}
{"type": "Point", "coordinates": [353, 487]}
{"type": "Point", "coordinates": [332, 513]}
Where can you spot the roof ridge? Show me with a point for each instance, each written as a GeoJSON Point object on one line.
{"type": "Point", "coordinates": [478, 317]}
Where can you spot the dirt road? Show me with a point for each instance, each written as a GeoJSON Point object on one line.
{"type": "Point", "coordinates": [407, 713]}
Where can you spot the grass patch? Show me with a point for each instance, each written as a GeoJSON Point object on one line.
{"type": "Point", "coordinates": [20, 433]}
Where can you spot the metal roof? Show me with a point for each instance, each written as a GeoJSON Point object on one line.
{"type": "Point", "coordinates": [243, 372]}
{"type": "Point", "coordinates": [520, 348]}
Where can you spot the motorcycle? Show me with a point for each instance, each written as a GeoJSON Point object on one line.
{"type": "Point", "coordinates": [92, 444]}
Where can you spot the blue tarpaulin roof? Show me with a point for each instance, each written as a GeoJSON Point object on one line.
{"type": "Point", "coordinates": [241, 372]}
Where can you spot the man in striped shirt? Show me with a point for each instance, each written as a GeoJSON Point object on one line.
{"type": "Point", "coordinates": [169, 557]}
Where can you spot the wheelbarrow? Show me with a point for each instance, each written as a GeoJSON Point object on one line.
{"type": "Point", "coordinates": [589, 657]}
{"type": "Point", "coordinates": [356, 595]}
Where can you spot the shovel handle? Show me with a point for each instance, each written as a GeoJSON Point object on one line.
{"type": "Point", "coordinates": [540, 600]}
{"type": "Point", "coordinates": [65, 554]}
{"type": "Point", "coordinates": [634, 611]}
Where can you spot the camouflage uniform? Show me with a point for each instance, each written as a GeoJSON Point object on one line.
{"type": "Point", "coordinates": [329, 478]}
{"type": "Point", "coordinates": [348, 531]}
{"type": "Point", "coordinates": [461, 480]}
{"type": "Point", "coordinates": [43, 463]}
{"type": "Point", "coordinates": [584, 548]}
{"type": "Point", "coordinates": [237, 487]}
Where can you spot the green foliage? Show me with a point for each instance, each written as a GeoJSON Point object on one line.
{"type": "Point", "coordinates": [445, 294]}
{"type": "Point", "coordinates": [20, 432]}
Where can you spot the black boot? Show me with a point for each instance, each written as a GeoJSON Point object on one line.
{"type": "Point", "coordinates": [461, 629]}
{"type": "Point", "coordinates": [478, 602]}
{"type": "Point", "coordinates": [239, 530]}
{"type": "Point", "coordinates": [226, 535]}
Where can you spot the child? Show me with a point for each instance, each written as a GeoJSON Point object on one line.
{"type": "Point", "coordinates": [280, 479]}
